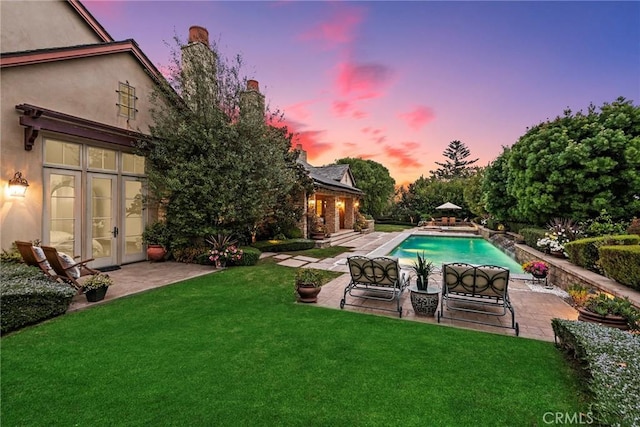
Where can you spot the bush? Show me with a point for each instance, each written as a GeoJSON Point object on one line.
{"type": "Point", "coordinates": [634, 228]}
{"type": "Point", "coordinates": [192, 254]}
{"type": "Point", "coordinates": [28, 297]}
{"type": "Point", "coordinates": [250, 256]}
{"type": "Point", "coordinates": [515, 227]}
{"type": "Point", "coordinates": [293, 233]}
{"type": "Point", "coordinates": [622, 264]}
{"type": "Point", "coordinates": [284, 245]}
{"type": "Point", "coordinates": [612, 360]}
{"type": "Point", "coordinates": [584, 252]}
{"type": "Point", "coordinates": [532, 235]}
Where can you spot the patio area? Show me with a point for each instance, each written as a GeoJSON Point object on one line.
{"type": "Point", "coordinates": [534, 305]}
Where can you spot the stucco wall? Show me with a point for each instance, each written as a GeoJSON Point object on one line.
{"type": "Point", "coordinates": [28, 25]}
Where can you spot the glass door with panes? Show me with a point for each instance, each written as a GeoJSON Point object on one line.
{"type": "Point", "coordinates": [133, 220]}
{"type": "Point", "coordinates": [62, 226]}
{"type": "Point", "coordinates": [102, 225]}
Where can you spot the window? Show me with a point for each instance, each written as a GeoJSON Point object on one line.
{"type": "Point", "coordinates": [62, 153]}
{"type": "Point", "coordinates": [132, 163]}
{"type": "Point", "coordinates": [99, 158]}
{"type": "Point", "coordinates": [126, 100]}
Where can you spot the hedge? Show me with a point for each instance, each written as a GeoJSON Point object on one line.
{"type": "Point", "coordinates": [584, 252]}
{"type": "Point", "coordinates": [611, 359]}
{"type": "Point", "coordinates": [532, 235]}
{"type": "Point", "coordinates": [622, 264]}
{"type": "Point", "coordinates": [250, 256]}
{"type": "Point", "coordinates": [28, 297]}
{"type": "Point", "coordinates": [285, 245]}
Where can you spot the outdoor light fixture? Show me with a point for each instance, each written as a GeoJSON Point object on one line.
{"type": "Point", "coordinates": [18, 185]}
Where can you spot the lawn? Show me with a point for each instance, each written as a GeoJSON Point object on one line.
{"type": "Point", "coordinates": [390, 228]}
{"type": "Point", "coordinates": [232, 348]}
{"type": "Point", "coordinates": [329, 252]}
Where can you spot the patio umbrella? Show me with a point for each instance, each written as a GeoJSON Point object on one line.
{"type": "Point", "coordinates": [448, 205]}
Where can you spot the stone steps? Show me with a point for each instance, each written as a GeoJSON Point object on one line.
{"type": "Point", "coordinates": [338, 238]}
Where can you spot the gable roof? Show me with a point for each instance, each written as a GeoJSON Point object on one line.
{"type": "Point", "coordinates": [90, 20]}
{"type": "Point", "coordinates": [328, 177]}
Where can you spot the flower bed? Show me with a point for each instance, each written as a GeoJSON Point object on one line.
{"type": "Point", "coordinates": [612, 360]}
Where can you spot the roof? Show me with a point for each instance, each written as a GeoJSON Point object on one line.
{"type": "Point", "coordinates": [328, 177]}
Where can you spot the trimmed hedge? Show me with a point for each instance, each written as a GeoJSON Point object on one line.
{"type": "Point", "coordinates": [611, 358]}
{"type": "Point", "coordinates": [28, 297]}
{"type": "Point", "coordinates": [284, 245]}
{"type": "Point", "coordinates": [584, 252]}
{"type": "Point", "coordinates": [532, 235]}
{"type": "Point", "coordinates": [250, 256]}
{"type": "Point", "coordinates": [622, 264]}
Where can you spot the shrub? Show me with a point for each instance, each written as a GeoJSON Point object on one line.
{"type": "Point", "coordinates": [634, 228]}
{"type": "Point", "coordinates": [284, 245]}
{"type": "Point", "coordinates": [293, 233]}
{"type": "Point", "coordinates": [28, 297]}
{"type": "Point", "coordinates": [192, 255]}
{"type": "Point", "coordinates": [515, 227]}
{"type": "Point", "coordinates": [622, 264]}
{"type": "Point", "coordinates": [584, 252]}
{"type": "Point", "coordinates": [12, 255]}
{"type": "Point", "coordinates": [250, 256]}
{"type": "Point", "coordinates": [612, 360]}
{"type": "Point", "coordinates": [532, 235]}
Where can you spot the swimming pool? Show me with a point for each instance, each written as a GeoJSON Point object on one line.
{"type": "Point", "coordinates": [440, 249]}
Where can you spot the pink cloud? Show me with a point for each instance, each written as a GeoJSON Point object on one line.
{"type": "Point", "coordinates": [109, 9]}
{"type": "Point", "coordinates": [402, 155]}
{"type": "Point", "coordinates": [418, 117]}
{"type": "Point", "coordinates": [361, 81]}
{"type": "Point", "coordinates": [359, 115]}
{"type": "Point", "coordinates": [339, 29]}
{"type": "Point", "coordinates": [310, 140]}
{"type": "Point", "coordinates": [299, 110]}
{"type": "Point", "coordinates": [340, 108]}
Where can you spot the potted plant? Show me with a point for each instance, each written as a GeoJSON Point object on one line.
{"type": "Point", "coordinates": [538, 269]}
{"type": "Point", "coordinates": [155, 237]}
{"type": "Point", "coordinates": [610, 311]}
{"type": "Point", "coordinates": [224, 250]}
{"type": "Point", "coordinates": [423, 301]}
{"type": "Point", "coordinates": [95, 287]}
{"type": "Point", "coordinates": [423, 269]}
{"type": "Point", "coordinates": [317, 229]}
{"type": "Point", "coordinates": [308, 284]}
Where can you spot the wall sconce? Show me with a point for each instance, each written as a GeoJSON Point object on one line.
{"type": "Point", "coordinates": [340, 204]}
{"type": "Point", "coordinates": [312, 203]}
{"type": "Point", "coordinates": [357, 205]}
{"type": "Point", "coordinates": [18, 185]}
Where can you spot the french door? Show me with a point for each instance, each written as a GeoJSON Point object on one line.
{"type": "Point", "coordinates": [94, 215]}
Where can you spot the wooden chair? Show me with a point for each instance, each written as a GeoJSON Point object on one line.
{"type": "Point", "coordinates": [34, 256]}
{"type": "Point", "coordinates": [452, 220]}
{"type": "Point", "coordinates": [444, 221]}
{"type": "Point", "coordinates": [68, 270]}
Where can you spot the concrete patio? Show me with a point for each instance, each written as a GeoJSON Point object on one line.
{"type": "Point", "coordinates": [534, 305]}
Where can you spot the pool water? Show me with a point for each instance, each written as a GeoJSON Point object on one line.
{"type": "Point", "coordinates": [438, 249]}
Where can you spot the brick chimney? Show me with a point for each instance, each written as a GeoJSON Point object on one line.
{"type": "Point", "coordinates": [198, 34]}
{"type": "Point", "coordinates": [252, 102]}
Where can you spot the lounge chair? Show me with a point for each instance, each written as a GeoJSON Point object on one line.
{"type": "Point", "coordinates": [68, 269]}
{"type": "Point", "coordinates": [375, 279]}
{"type": "Point", "coordinates": [452, 220]}
{"type": "Point", "coordinates": [471, 288]}
{"type": "Point", "coordinates": [444, 221]}
{"type": "Point", "coordinates": [34, 256]}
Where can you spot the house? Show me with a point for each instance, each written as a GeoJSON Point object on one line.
{"type": "Point", "coordinates": [73, 103]}
{"type": "Point", "coordinates": [336, 198]}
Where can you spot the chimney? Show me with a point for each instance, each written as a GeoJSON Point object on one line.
{"type": "Point", "coordinates": [303, 154]}
{"type": "Point", "coordinates": [253, 85]}
{"type": "Point", "coordinates": [198, 34]}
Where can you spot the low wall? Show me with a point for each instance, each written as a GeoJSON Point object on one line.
{"type": "Point", "coordinates": [563, 274]}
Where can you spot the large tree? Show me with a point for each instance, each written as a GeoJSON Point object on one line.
{"type": "Point", "coordinates": [572, 167]}
{"type": "Point", "coordinates": [376, 182]}
{"type": "Point", "coordinates": [456, 165]}
{"type": "Point", "coordinates": [212, 165]}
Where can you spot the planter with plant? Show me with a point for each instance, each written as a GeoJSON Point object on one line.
{"type": "Point", "coordinates": [317, 229]}
{"type": "Point", "coordinates": [423, 301]}
{"type": "Point", "coordinates": [224, 250]}
{"type": "Point", "coordinates": [308, 284]}
{"type": "Point", "coordinates": [156, 238]}
{"type": "Point", "coordinates": [610, 311]}
{"type": "Point", "coordinates": [95, 287]}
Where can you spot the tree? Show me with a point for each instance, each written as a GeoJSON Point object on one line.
{"type": "Point", "coordinates": [211, 167]}
{"type": "Point", "coordinates": [572, 167]}
{"type": "Point", "coordinates": [425, 194]}
{"type": "Point", "coordinates": [495, 196]}
{"type": "Point", "coordinates": [473, 195]}
{"type": "Point", "coordinates": [456, 166]}
{"type": "Point", "coordinates": [376, 182]}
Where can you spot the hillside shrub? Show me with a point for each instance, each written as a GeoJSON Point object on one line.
{"type": "Point", "coordinates": [622, 264]}
{"type": "Point", "coordinates": [584, 252]}
{"type": "Point", "coordinates": [284, 245]}
{"type": "Point", "coordinates": [28, 297]}
{"type": "Point", "coordinates": [532, 235]}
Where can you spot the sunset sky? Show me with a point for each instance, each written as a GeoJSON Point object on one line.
{"type": "Point", "coordinates": [395, 81]}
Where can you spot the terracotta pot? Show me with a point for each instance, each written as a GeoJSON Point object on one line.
{"type": "Point", "coordinates": [156, 253]}
{"type": "Point", "coordinates": [608, 320]}
{"type": "Point", "coordinates": [308, 293]}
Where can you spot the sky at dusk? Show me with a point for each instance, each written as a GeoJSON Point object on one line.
{"type": "Point", "coordinates": [396, 81]}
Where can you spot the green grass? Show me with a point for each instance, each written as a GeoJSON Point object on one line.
{"type": "Point", "coordinates": [329, 252]}
{"type": "Point", "coordinates": [390, 228]}
{"type": "Point", "coordinates": [232, 348]}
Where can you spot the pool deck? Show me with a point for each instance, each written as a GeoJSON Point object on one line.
{"type": "Point", "coordinates": [534, 305]}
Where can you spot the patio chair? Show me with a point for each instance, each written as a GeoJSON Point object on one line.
{"type": "Point", "coordinates": [68, 269]}
{"type": "Point", "coordinates": [34, 256]}
{"type": "Point", "coordinates": [444, 221]}
{"type": "Point", "coordinates": [452, 220]}
{"type": "Point", "coordinates": [375, 279]}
